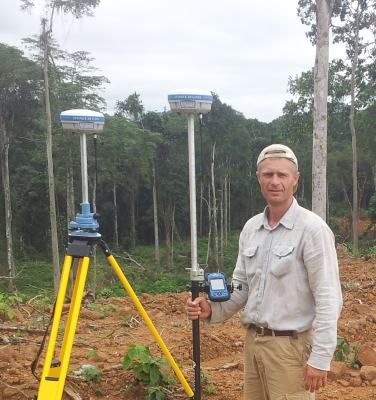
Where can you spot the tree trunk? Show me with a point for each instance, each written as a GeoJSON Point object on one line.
{"type": "Point", "coordinates": [355, 208]}
{"type": "Point", "coordinates": [361, 189]}
{"type": "Point", "coordinates": [345, 195]}
{"type": "Point", "coordinates": [116, 228]}
{"type": "Point", "coordinates": [229, 204]}
{"type": "Point", "coordinates": [210, 225]}
{"type": "Point", "coordinates": [222, 227]}
{"type": "Point", "coordinates": [201, 205]}
{"type": "Point", "coordinates": [4, 156]}
{"type": "Point", "coordinates": [172, 235]}
{"type": "Point", "coordinates": [167, 229]}
{"type": "Point", "coordinates": [155, 214]}
{"type": "Point", "coordinates": [214, 220]}
{"type": "Point", "coordinates": [70, 193]}
{"type": "Point", "coordinates": [324, 10]}
{"type": "Point", "coordinates": [225, 217]}
{"type": "Point", "coordinates": [50, 165]}
{"type": "Point", "coordinates": [133, 219]}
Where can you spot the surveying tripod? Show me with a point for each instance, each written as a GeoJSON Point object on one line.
{"type": "Point", "coordinates": [80, 246]}
{"type": "Point", "coordinates": [83, 236]}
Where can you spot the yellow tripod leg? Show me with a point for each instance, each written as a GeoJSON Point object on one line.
{"type": "Point", "coordinates": [54, 374]}
{"type": "Point", "coordinates": [111, 260]}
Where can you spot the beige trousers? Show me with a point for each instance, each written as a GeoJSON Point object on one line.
{"type": "Point", "coordinates": [274, 367]}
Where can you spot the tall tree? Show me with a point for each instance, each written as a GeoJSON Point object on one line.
{"type": "Point", "coordinates": [132, 107]}
{"type": "Point", "coordinates": [78, 8]}
{"type": "Point", "coordinates": [357, 24]}
{"type": "Point", "coordinates": [18, 100]}
{"type": "Point", "coordinates": [323, 10]}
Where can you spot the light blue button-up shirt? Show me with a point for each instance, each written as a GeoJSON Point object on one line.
{"type": "Point", "coordinates": [290, 280]}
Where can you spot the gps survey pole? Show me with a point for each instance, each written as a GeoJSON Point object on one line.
{"type": "Point", "coordinates": [82, 237]}
{"type": "Point", "coordinates": [191, 103]}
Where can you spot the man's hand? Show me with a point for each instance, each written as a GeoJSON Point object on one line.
{"type": "Point", "coordinates": [314, 378]}
{"type": "Point", "coordinates": [198, 308]}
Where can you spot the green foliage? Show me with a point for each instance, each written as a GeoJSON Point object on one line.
{"type": "Point", "coordinates": [90, 373]}
{"type": "Point", "coordinates": [6, 307]}
{"type": "Point", "coordinates": [92, 353]}
{"type": "Point", "coordinates": [208, 386]}
{"type": "Point", "coordinates": [347, 353]}
{"type": "Point", "coordinates": [148, 370]}
{"type": "Point", "coordinates": [104, 309]}
{"type": "Point", "coordinates": [8, 302]}
{"type": "Point", "coordinates": [43, 301]}
{"type": "Point", "coordinates": [106, 293]}
{"type": "Point", "coordinates": [157, 393]}
{"type": "Point", "coordinates": [131, 145]}
{"type": "Point", "coordinates": [372, 208]}
{"type": "Point", "coordinates": [35, 279]}
{"type": "Point", "coordinates": [372, 251]}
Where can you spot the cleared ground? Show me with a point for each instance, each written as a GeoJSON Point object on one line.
{"type": "Point", "coordinates": [107, 327]}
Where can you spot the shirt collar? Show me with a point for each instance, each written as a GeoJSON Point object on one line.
{"type": "Point", "coordinates": [287, 220]}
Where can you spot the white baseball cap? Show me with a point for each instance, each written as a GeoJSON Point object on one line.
{"type": "Point", "coordinates": [277, 151]}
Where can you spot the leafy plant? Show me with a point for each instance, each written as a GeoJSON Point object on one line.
{"type": "Point", "coordinates": [42, 301]}
{"type": "Point", "coordinates": [148, 370]}
{"type": "Point", "coordinates": [156, 393]}
{"type": "Point", "coordinates": [90, 373]}
{"type": "Point", "coordinates": [6, 310]}
{"type": "Point", "coordinates": [353, 360]}
{"type": "Point", "coordinates": [92, 353]}
{"type": "Point", "coordinates": [347, 353]}
{"type": "Point", "coordinates": [209, 387]}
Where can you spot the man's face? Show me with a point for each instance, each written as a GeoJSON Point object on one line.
{"type": "Point", "coordinates": [277, 178]}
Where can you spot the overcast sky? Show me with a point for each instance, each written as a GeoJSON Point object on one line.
{"type": "Point", "coordinates": [242, 50]}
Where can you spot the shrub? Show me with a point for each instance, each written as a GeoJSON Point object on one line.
{"type": "Point", "coordinates": [148, 370]}
{"type": "Point", "coordinates": [347, 353]}
{"type": "Point", "coordinates": [90, 373]}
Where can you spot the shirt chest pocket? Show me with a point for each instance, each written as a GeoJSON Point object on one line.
{"type": "Point", "coordinates": [249, 256]}
{"type": "Point", "coordinates": [281, 260]}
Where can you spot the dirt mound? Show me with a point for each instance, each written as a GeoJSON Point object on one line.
{"type": "Point", "coordinates": [108, 326]}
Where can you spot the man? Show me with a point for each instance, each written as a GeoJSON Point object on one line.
{"type": "Point", "coordinates": [287, 266]}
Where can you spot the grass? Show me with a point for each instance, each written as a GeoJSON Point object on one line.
{"type": "Point", "coordinates": [35, 278]}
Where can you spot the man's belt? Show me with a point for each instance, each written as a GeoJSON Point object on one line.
{"type": "Point", "coordinates": [262, 331]}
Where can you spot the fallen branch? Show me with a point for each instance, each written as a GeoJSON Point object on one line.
{"type": "Point", "coordinates": [12, 277]}
{"type": "Point", "coordinates": [130, 258]}
{"type": "Point", "coordinates": [114, 367]}
{"type": "Point", "coordinates": [20, 329]}
{"type": "Point", "coordinates": [224, 366]}
{"type": "Point", "coordinates": [71, 393]}
{"type": "Point", "coordinates": [214, 338]}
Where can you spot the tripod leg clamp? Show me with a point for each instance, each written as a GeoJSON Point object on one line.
{"type": "Point", "coordinates": [79, 248]}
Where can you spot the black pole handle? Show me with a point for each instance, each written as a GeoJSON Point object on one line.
{"type": "Point", "coordinates": [196, 344]}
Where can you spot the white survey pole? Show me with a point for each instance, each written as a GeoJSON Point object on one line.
{"type": "Point", "coordinates": [84, 179]}
{"type": "Point", "coordinates": [191, 103]}
{"type": "Point", "coordinates": [192, 193]}
{"type": "Point", "coordinates": [83, 122]}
